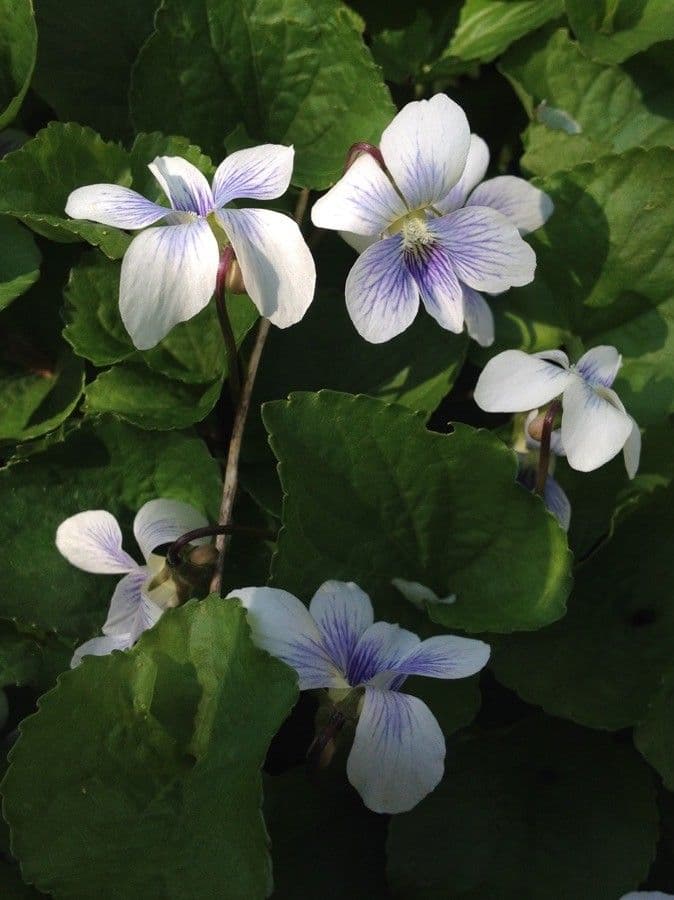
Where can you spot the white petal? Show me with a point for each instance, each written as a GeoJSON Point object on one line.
{"type": "Point", "coordinates": [168, 276]}
{"type": "Point", "coordinates": [378, 652]}
{"type": "Point", "coordinates": [487, 251]}
{"type": "Point", "coordinates": [277, 266]}
{"type": "Point", "coordinates": [478, 317]}
{"type": "Point", "coordinates": [632, 450]}
{"type": "Point", "coordinates": [92, 541]}
{"type": "Point", "coordinates": [101, 646]}
{"type": "Point", "coordinates": [514, 381]}
{"type": "Point", "coordinates": [441, 292]}
{"type": "Point", "coordinates": [183, 184]}
{"type": "Point", "coordinates": [359, 242]}
{"type": "Point", "coordinates": [647, 895]}
{"type": "Point", "coordinates": [476, 166]}
{"type": "Point", "coordinates": [445, 656]}
{"type": "Point", "coordinates": [125, 604]}
{"type": "Point", "coordinates": [520, 202]}
{"type": "Point", "coordinates": [382, 298]}
{"type": "Point", "coordinates": [398, 753]}
{"type": "Point", "coordinates": [425, 149]}
{"type": "Point", "coordinates": [342, 612]}
{"type": "Point", "coordinates": [258, 173]}
{"type": "Point", "coordinates": [600, 365]}
{"type": "Point", "coordinates": [283, 626]}
{"type": "Point", "coordinates": [163, 521]}
{"type": "Point", "coordinates": [419, 594]}
{"type": "Point", "coordinates": [113, 205]}
{"type": "Point", "coordinates": [594, 427]}
{"type": "Point", "coordinates": [363, 201]}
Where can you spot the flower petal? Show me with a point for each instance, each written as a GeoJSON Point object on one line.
{"type": "Point", "coordinates": [431, 267]}
{"type": "Point", "coordinates": [632, 450]}
{"type": "Point", "coordinates": [259, 173]}
{"type": "Point", "coordinates": [382, 298]}
{"type": "Point", "coordinates": [514, 381]}
{"type": "Point", "coordinates": [277, 266]}
{"type": "Point", "coordinates": [445, 656]}
{"type": "Point", "coordinates": [487, 251]}
{"type": "Point", "coordinates": [379, 650]}
{"type": "Point", "coordinates": [342, 612]}
{"type": "Point", "coordinates": [478, 316]}
{"type": "Point", "coordinates": [113, 205]}
{"type": "Point", "coordinates": [125, 603]}
{"type": "Point", "coordinates": [168, 276]}
{"type": "Point", "coordinates": [101, 646]}
{"type": "Point", "coordinates": [398, 752]}
{"type": "Point", "coordinates": [476, 166]}
{"type": "Point", "coordinates": [594, 427]}
{"type": "Point", "coordinates": [557, 502]}
{"type": "Point", "coordinates": [283, 626]}
{"type": "Point", "coordinates": [359, 242]}
{"type": "Point", "coordinates": [426, 148]}
{"type": "Point", "coordinates": [163, 521]}
{"type": "Point", "coordinates": [600, 365]}
{"type": "Point", "coordinates": [524, 205]}
{"type": "Point", "coordinates": [92, 541]}
{"type": "Point", "coordinates": [363, 201]}
{"type": "Point", "coordinates": [183, 184]}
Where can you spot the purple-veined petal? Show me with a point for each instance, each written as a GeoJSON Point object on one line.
{"type": "Point", "coordinates": [363, 201]}
{"type": "Point", "coordinates": [163, 521]}
{"type": "Point", "coordinates": [478, 317]}
{"type": "Point", "coordinates": [283, 626]}
{"type": "Point", "coordinates": [398, 753]}
{"type": "Point", "coordinates": [379, 650]}
{"type": "Point", "coordinates": [632, 450]}
{"type": "Point", "coordinates": [125, 603]}
{"type": "Point", "coordinates": [600, 365]}
{"type": "Point", "coordinates": [257, 173]}
{"type": "Point", "coordinates": [425, 149]}
{"type": "Point", "coordinates": [441, 293]}
{"type": "Point", "coordinates": [101, 646]}
{"type": "Point", "coordinates": [594, 426]}
{"type": "Point", "coordinates": [113, 205]}
{"type": "Point", "coordinates": [445, 656]}
{"type": "Point", "coordinates": [514, 381]}
{"type": "Point", "coordinates": [487, 251]}
{"type": "Point", "coordinates": [359, 242]}
{"type": "Point", "coordinates": [184, 185]}
{"type": "Point", "coordinates": [92, 541]}
{"type": "Point", "coordinates": [342, 613]}
{"type": "Point", "coordinates": [557, 502]}
{"type": "Point", "coordinates": [476, 166]}
{"type": "Point", "coordinates": [277, 266]}
{"type": "Point", "coordinates": [521, 203]}
{"type": "Point", "coordinates": [382, 298]}
{"type": "Point", "coordinates": [168, 276]}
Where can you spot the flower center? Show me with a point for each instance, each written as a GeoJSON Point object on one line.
{"type": "Point", "coordinates": [413, 228]}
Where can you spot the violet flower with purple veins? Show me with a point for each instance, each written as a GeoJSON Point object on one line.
{"type": "Point", "coordinates": [399, 750]}
{"type": "Point", "coordinates": [423, 230]}
{"type": "Point", "coordinates": [169, 273]}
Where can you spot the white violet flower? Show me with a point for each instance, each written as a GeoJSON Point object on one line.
{"type": "Point", "coordinates": [169, 273]}
{"type": "Point", "coordinates": [399, 750]}
{"type": "Point", "coordinates": [595, 424]}
{"type": "Point", "coordinates": [92, 541]}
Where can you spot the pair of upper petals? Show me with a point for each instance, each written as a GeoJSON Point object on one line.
{"type": "Point", "coordinates": [595, 425]}
{"type": "Point", "coordinates": [169, 273]}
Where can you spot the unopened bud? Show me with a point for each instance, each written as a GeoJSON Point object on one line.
{"type": "Point", "coordinates": [234, 279]}
{"type": "Point", "coordinates": [535, 427]}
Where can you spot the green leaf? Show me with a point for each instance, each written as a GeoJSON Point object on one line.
{"type": "Point", "coordinates": [11, 885]}
{"type": "Point", "coordinates": [18, 44]}
{"type": "Point", "coordinates": [153, 771]}
{"type": "Point", "coordinates": [529, 812]}
{"type": "Point", "coordinates": [615, 108]}
{"type": "Point", "coordinates": [388, 499]}
{"type": "Point", "coordinates": [613, 30]}
{"type": "Point", "coordinates": [36, 180]}
{"type": "Point", "coordinates": [20, 656]}
{"type": "Point", "coordinates": [654, 735]}
{"type": "Point", "coordinates": [287, 71]}
{"type": "Point", "coordinates": [603, 662]}
{"type": "Point", "coordinates": [110, 466]}
{"type": "Point", "coordinates": [19, 261]}
{"type": "Point", "coordinates": [84, 62]}
{"type": "Point", "coordinates": [148, 399]}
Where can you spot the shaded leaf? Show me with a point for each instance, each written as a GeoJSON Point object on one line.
{"type": "Point", "coordinates": [18, 44]}
{"type": "Point", "coordinates": [613, 30]}
{"type": "Point", "coordinates": [19, 261]}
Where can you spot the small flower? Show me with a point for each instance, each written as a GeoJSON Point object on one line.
{"type": "Point", "coordinates": [399, 750]}
{"type": "Point", "coordinates": [92, 541]}
{"type": "Point", "coordinates": [595, 424]}
{"type": "Point", "coordinates": [425, 232]}
{"type": "Point", "coordinates": [169, 273]}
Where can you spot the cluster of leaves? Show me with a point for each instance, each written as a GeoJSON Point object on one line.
{"type": "Point", "coordinates": [139, 775]}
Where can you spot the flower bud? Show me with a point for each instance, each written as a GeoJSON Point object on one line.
{"type": "Point", "coordinates": [535, 427]}
{"type": "Point", "coordinates": [234, 279]}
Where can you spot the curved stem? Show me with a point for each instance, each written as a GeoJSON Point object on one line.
{"type": "Point", "coordinates": [544, 452]}
{"type": "Point", "coordinates": [173, 553]}
{"type": "Point", "coordinates": [359, 147]}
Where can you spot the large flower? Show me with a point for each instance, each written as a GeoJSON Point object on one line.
{"type": "Point", "coordinates": [595, 424]}
{"type": "Point", "coordinates": [169, 273]}
{"type": "Point", "coordinates": [416, 241]}
{"type": "Point", "coordinates": [92, 541]}
{"type": "Point", "coordinates": [399, 750]}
